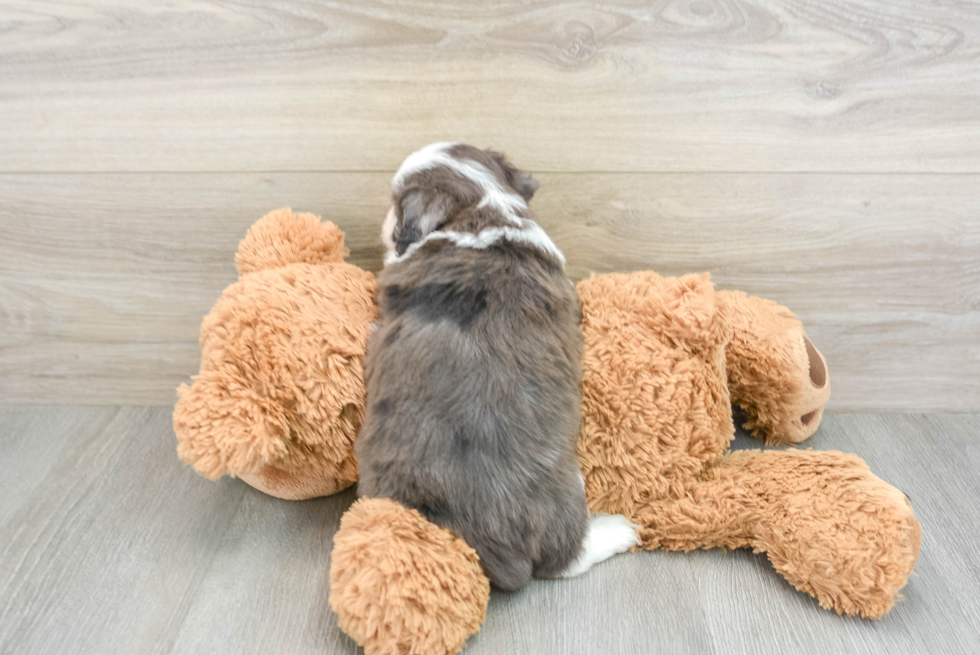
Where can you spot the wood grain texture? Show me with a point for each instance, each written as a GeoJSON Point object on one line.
{"type": "Point", "coordinates": [825, 154]}
{"type": "Point", "coordinates": [103, 547]}
{"type": "Point", "coordinates": [673, 85]}
{"type": "Point", "coordinates": [104, 278]}
{"type": "Point", "coordinates": [108, 544]}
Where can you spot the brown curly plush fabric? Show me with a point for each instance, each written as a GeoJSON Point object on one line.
{"type": "Point", "coordinates": [775, 374]}
{"type": "Point", "coordinates": [655, 432]}
{"type": "Point", "coordinates": [830, 526]}
{"type": "Point", "coordinates": [403, 586]}
{"type": "Point", "coordinates": [280, 395]}
{"type": "Point", "coordinates": [655, 402]}
{"type": "Point", "coordinates": [281, 237]}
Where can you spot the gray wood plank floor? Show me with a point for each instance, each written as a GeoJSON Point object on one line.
{"type": "Point", "coordinates": [108, 544]}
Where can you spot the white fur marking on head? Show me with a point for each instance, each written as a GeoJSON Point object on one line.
{"type": "Point", "coordinates": [608, 535]}
{"type": "Point", "coordinates": [508, 203]}
{"type": "Point", "coordinates": [531, 234]}
{"type": "Point", "coordinates": [435, 154]}
{"type": "Point", "coordinates": [419, 160]}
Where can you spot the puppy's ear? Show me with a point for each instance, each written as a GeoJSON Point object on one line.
{"type": "Point", "coordinates": [421, 211]}
{"type": "Point", "coordinates": [517, 179]}
{"type": "Point", "coordinates": [523, 183]}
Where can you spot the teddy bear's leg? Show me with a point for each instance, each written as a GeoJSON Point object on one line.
{"type": "Point", "coordinates": [775, 374]}
{"type": "Point", "coordinates": [828, 524]}
{"type": "Point", "coordinates": [401, 585]}
{"type": "Point", "coordinates": [831, 527]}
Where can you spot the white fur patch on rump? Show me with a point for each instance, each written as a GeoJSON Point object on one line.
{"type": "Point", "coordinates": [608, 535]}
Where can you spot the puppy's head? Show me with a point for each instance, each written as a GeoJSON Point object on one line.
{"type": "Point", "coordinates": [438, 182]}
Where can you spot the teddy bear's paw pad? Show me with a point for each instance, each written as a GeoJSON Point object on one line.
{"type": "Point", "coordinates": [608, 535]}
{"type": "Point", "coordinates": [401, 585]}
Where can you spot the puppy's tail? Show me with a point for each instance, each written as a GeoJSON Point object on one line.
{"type": "Point", "coordinates": [608, 535]}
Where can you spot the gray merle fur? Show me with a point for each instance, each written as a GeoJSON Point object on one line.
{"type": "Point", "coordinates": [473, 390]}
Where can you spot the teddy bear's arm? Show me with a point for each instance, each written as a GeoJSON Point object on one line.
{"type": "Point", "coordinates": [775, 374]}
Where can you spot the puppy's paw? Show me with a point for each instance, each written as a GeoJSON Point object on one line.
{"type": "Point", "coordinates": [608, 535]}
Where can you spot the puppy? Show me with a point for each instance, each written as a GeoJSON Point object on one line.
{"type": "Point", "coordinates": [474, 369]}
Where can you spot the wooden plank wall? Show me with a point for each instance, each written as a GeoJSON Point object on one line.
{"type": "Point", "coordinates": [826, 155]}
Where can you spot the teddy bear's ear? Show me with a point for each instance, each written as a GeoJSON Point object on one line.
{"type": "Point", "coordinates": [224, 428]}
{"type": "Point", "coordinates": [281, 237]}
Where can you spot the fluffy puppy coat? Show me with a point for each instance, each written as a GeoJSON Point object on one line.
{"type": "Point", "coordinates": [473, 373]}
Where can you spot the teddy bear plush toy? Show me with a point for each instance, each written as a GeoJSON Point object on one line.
{"type": "Point", "coordinates": [280, 396]}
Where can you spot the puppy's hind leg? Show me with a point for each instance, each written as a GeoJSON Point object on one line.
{"type": "Point", "coordinates": [608, 535]}
{"type": "Point", "coordinates": [563, 533]}
{"type": "Point", "coordinates": [506, 569]}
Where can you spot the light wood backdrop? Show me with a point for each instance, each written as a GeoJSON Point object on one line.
{"type": "Point", "coordinates": [824, 154]}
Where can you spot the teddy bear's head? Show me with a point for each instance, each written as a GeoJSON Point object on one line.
{"type": "Point", "coordinates": [281, 238]}
{"type": "Point", "coordinates": [280, 394]}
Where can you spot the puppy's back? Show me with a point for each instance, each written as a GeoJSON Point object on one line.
{"type": "Point", "coordinates": [473, 402]}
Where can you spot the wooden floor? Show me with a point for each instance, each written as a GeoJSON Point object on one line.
{"type": "Point", "coordinates": [108, 544]}
{"type": "Point", "coordinates": [825, 154]}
